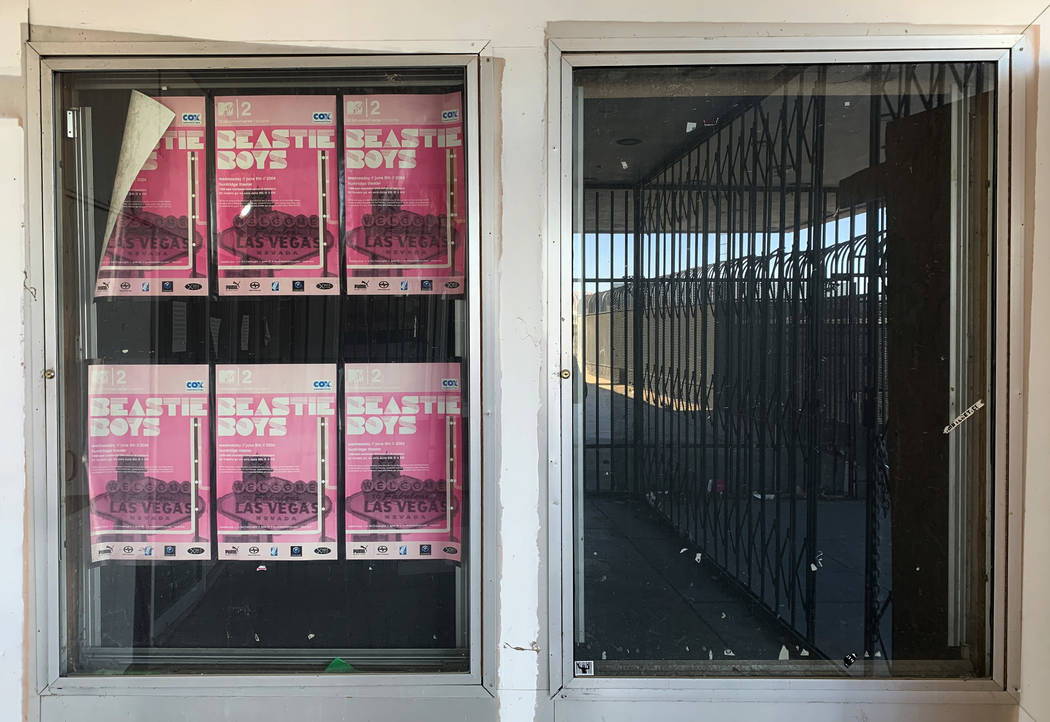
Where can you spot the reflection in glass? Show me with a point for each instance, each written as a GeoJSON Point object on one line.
{"type": "Point", "coordinates": [782, 294]}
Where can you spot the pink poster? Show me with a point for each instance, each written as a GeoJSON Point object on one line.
{"type": "Point", "coordinates": [158, 244]}
{"type": "Point", "coordinates": [275, 461]}
{"type": "Point", "coordinates": [404, 461]}
{"type": "Point", "coordinates": [405, 194]}
{"type": "Point", "coordinates": [276, 195]}
{"type": "Point", "coordinates": [148, 462]}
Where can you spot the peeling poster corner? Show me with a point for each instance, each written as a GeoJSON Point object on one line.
{"type": "Point", "coordinates": [146, 123]}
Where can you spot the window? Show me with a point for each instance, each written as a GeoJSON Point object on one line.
{"type": "Point", "coordinates": [267, 399]}
{"type": "Point", "coordinates": [783, 336]}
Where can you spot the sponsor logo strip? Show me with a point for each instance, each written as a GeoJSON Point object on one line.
{"type": "Point", "coordinates": [402, 550]}
{"type": "Point", "coordinates": [152, 287]}
{"type": "Point", "coordinates": [277, 287]}
{"type": "Point", "coordinates": [149, 550]}
{"type": "Point", "coordinates": [274, 551]}
{"type": "Point", "coordinates": [398, 285]}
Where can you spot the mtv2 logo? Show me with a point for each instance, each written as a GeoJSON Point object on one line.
{"type": "Point", "coordinates": [367, 107]}
{"type": "Point", "coordinates": [233, 108]}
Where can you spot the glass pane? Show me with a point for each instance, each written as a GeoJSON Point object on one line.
{"type": "Point", "coordinates": [262, 278]}
{"type": "Point", "coordinates": [782, 283]}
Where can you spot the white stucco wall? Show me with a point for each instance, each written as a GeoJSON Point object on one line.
{"type": "Point", "coordinates": [12, 441]}
{"type": "Point", "coordinates": [516, 33]}
{"type": "Point", "coordinates": [1035, 643]}
{"type": "Point", "coordinates": [505, 24]}
{"type": "Point", "coordinates": [12, 469]}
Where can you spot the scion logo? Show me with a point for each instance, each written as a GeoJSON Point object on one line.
{"type": "Point", "coordinates": [255, 285]}
{"type": "Point", "coordinates": [322, 550]}
{"type": "Point", "coordinates": [191, 118]}
{"type": "Point", "coordinates": [196, 550]}
{"type": "Point", "coordinates": [322, 384]}
{"type": "Point", "coordinates": [384, 284]}
{"type": "Point", "coordinates": [322, 117]}
{"type": "Point", "coordinates": [451, 284]}
{"type": "Point", "coordinates": [128, 549]}
{"type": "Point", "coordinates": [253, 550]}
{"type": "Point", "coordinates": [450, 550]}
{"type": "Point", "coordinates": [324, 285]}
{"type": "Point", "coordinates": [382, 549]}
{"type": "Point", "coordinates": [124, 285]}
{"type": "Point", "coordinates": [194, 287]}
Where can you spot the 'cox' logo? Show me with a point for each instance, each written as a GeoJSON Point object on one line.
{"type": "Point", "coordinates": [198, 385]}
{"type": "Point", "coordinates": [320, 117]}
{"type": "Point", "coordinates": [194, 118]}
{"type": "Point", "coordinates": [450, 383]}
{"type": "Point", "coordinates": [450, 115]}
{"type": "Point", "coordinates": [322, 384]}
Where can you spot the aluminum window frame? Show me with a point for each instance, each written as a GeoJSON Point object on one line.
{"type": "Point", "coordinates": [43, 355]}
{"type": "Point", "coordinates": [610, 45]}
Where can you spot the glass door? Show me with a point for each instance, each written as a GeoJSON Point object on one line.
{"type": "Point", "coordinates": [783, 355]}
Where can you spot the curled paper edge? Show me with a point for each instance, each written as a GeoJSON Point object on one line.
{"type": "Point", "coordinates": [146, 123]}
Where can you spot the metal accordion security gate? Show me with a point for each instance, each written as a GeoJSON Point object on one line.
{"type": "Point", "coordinates": [732, 326]}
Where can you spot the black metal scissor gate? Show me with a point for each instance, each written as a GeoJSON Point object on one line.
{"type": "Point", "coordinates": [732, 330]}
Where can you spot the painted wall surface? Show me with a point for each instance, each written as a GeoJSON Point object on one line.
{"type": "Point", "coordinates": [516, 33]}
{"type": "Point", "coordinates": [505, 24]}
{"type": "Point", "coordinates": [1035, 596]}
{"type": "Point", "coordinates": [12, 470]}
{"type": "Point", "coordinates": [12, 438]}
